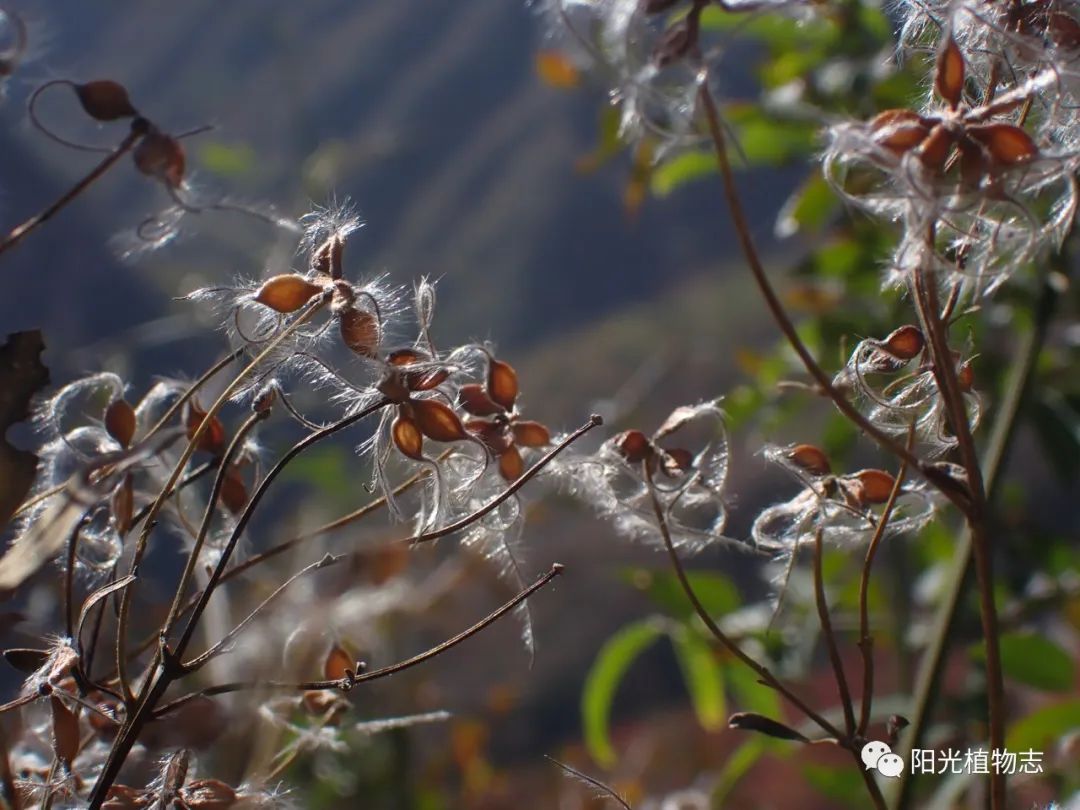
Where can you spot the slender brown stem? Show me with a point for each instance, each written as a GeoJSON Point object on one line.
{"type": "Point", "coordinates": [208, 515]}
{"type": "Point", "coordinates": [944, 368]}
{"type": "Point", "coordinates": [193, 442]}
{"type": "Point", "coordinates": [249, 510]}
{"type": "Point", "coordinates": [724, 639]}
{"type": "Point", "coordinates": [830, 638]}
{"type": "Point", "coordinates": [17, 234]}
{"type": "Point", "coordinates": [222, 645]}
{"type": "Point", "coordinates": [347, 683]}
{"type": "Point", "coordinates": [866, 641]}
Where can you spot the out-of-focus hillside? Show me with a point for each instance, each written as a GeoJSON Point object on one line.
{"type": "Point", "coordinates": [427, 113]}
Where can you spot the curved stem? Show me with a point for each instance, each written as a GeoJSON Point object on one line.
{"type": "Point", "coordinates": [822, 604]}
{"type": "Point", "coordinates": [20, 232]}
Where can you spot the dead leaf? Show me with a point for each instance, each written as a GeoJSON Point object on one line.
{"type": "Point", "coordinates": [22, 375]}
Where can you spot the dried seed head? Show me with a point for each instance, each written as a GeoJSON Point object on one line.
{"type": "Point", "coordinates": [752, 721]}
{"type": "Point", "coordinates": [874, 486]}
{"type": "Point", "coordinates": [360, 331]}
{"type": "Point", "coordinates": [949, 78]}
{"type": "Point", "coordinates": [407, 437]}
{"type": "Point", "coordinates": [502, 383]}
{"type": "Point", "coordinates": [120, 421]}
{"type": "Point", "coordinates": [420, 380]}
{"type": "Point", "coordinates": [286, 293]}
{"type": "Point", "coordinates": [633, 445]}
{"type": "Point", "coordinates": [810, 458]}
{"type": "Point", "coordinates": [105, 100]}
{"type": "Point", "coordinates": [905, 342]}
{"type": "Point", "coordinates": [494, 435]}
{"type": "Point", "coordinates": [161, 156]}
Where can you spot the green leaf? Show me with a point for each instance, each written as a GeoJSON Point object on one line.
{"type": "Point", "coordinates": [681, 170]}
{"type": "Point", "coordinates": [1034, 660]}
{"type": "Point", "coordinates": [809, 208]}
{"type": "Point", "coordinates": [602, 682]}
{"type": "Point", "coordinates": [717, 594]}
{"type": "Point", "coordinates": [1041, 729]}
{"type": "Point", "coordinates": [842, 785]}
{"type": "Point", "coordinates": [703, 676]}
{"type": "Point", "coordinates": [750, 695]}
{"type": "Point", "coordinates": [227, 160]}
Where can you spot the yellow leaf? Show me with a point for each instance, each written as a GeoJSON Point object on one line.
{"type": "Point", "coordinates": [556, 70]}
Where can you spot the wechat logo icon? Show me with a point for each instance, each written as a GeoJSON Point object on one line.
{"type": "Point", "coordinates": [878, 755]}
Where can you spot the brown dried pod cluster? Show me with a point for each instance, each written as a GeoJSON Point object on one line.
{"type": "Point", "coordinates": [958, 134]}
{"type": "Point", "coordinates": [860, 489]}
{"type": "Point", "coordinates": [418, 418]}
{"type": "Point", "coordinates": [496, 422]}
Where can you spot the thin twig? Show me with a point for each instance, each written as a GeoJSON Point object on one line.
{"type": "Point", "coordinates": [866, 641]}
{"type": "Point", "coordinates": [348, 682]}
{"type": "Point", "coordinates": [830, 638]}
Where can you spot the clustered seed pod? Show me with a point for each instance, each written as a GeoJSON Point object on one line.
{"type": "Point", "coordinates": [213, 438]}
{"type": "Point", "coordinates": [906, 342]}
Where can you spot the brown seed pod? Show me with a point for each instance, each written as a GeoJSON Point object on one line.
{"type": "Point", "coordinates": [120, 421]}
{"type": "Point", "coordinates": [407, 437]}
{"type": "Point", "coordinates": [511, 465]}
{"type": "Point", "coordinates": [65, 725]}
{"type": "Point", "coordinates": [494, 435]}
{"type": "Point", "coordinates": [287, 292]}
{"type": "Point", "coordinates": [26, 660]}
{"type": "Point", "coordinates": [420, 380]}
{"type": "Point", "coordinates": [213, 439]}
{"type": "Point", "coordinates": [105, 100]}
{"type": "Point", "coordinates": [1007, 144]}
{"type": "Point", "coordinates": [677, 461]}
{"type": "Point", "coordinates": [633, 445]}
{"type": "Point", "coordinates": [810, 458]}
{"type": "Point", "coordinates": [208, 794]}
{"type": "Point", "coordinates": [934, 150]}
{"type": "Point", "coordinates": [338, 663]}
{"type": "Point", "coordinates": [949, 78]}
{"type": "Point", "coordinates": [905, 342]}
{"type": "Point", "coordinates": [502, 383]}
{"type": "Point", "coordinates": [899, 130]}
{"type": "Point", "coordinates": [875, 486]}
{"type": "Point", "coordinates": [530, 434]}
{"type": "Point", "coordinates": [327, 258]}
{"type": "Point", "coordinates": [234, 494]}
{"type": "Point", "coordinates": [360, 331]}
{"type": "Point", "coordinates": [965, 375]}
{"type": "Point", "coordinates": [474, 400]}
{"type": "Point", "coordinates": [437, 421]}
{"type": "Point", "coordinates": [161, 156]}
